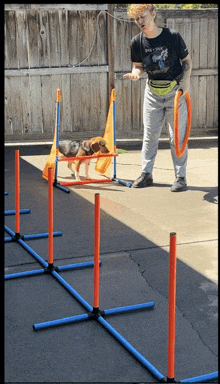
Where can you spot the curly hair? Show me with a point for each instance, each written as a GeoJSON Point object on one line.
{"type": "Point", "coordinates": [136, 9]}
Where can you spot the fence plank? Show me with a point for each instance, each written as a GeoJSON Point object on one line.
{"type": "Point", "coordinates": [21, 29]}
{"type": "Point", "coordinates": [211, 44]}
{"type": "Point", "coordinates": [215, 101]}
{"type": "Point", "coordinates": [102, 41]}
{"type": "Point", "coordinates": [26, 106]}
{"type": "Point", "coordinates": [64, 38]}
{"type": "Point", "coordinates": [203, 48]}
{"type": "Point", "coordinates": [36, 116]}
{"type": "Point", "coordinates": [44, 44]}
{"type": "Point", "coordinates": [54, 39]}
{"type": "Point", "coordinates": [194, 88]}
{"type": "Point", "coordinates": [210, 95]}
{"type": "Point", "coordinates": [137, 109]}
{"type": "Point", "coordinates": [11, 60]}
{"type": "Point", "coordinates": [67, 105]}
{"type": "Point", "coordinates": [48, 105]}
{"type": "Point", "coordinates": [85, 102]}
{"type": "Point", "coordinates": [202, 102]}
{"type": "Point", "coordinates": [122, 39]}
{"type": "Point", "coordinates": [73, 37]}
{"type": "Point", "coordinates": [8, 107]}
{"type": "Point", "coordinates": [195, 42]}
{"type": "Point", "coordinates": [75, 95]}
{"type": "Point", "coordinates": [16, 110]}
{"type": "Point", "coordinates": [187, 35]}
{"type": "Point", "coordinates": [33, 35]}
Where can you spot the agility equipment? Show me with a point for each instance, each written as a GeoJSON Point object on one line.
{"type": "Point", "coordinates": [48, 267]}
{"type": "Point", "coordinates": [16, 236]}
{"type": "Point", "coordinates": [171, 309]}
{"type": "Point", "coordinates": [202, 379]}
{"type": "Point", "coordinates": [171, 322]}
{"type": "Point", "coordinates": [103, 163]}
{"type": "Point", "coordinates": [94, 312]}
{"type": "Point", "coordinates": [180, 151]}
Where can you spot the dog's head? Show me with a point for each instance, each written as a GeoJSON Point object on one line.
{"type": "Point", "coordinates": [100, 146]}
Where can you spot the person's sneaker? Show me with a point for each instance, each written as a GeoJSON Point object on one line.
{"type": "Point", "coordinates": [179, 185]}
{"type": "Point", "coordinates": [143, 181]}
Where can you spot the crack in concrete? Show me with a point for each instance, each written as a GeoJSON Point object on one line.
{"type": "Point", "coordinates": [180, 311]}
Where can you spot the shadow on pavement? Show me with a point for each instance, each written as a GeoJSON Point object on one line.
{"type": "Point", "coordinates": [134, 270]}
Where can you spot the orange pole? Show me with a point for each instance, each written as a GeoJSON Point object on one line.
{"type": "Point", "coordinates": [171, 304]}
{"type": "Point", "coordinates": [17, 192]}
{"type": "Point", "coordinates": [90, 157]}
{"type": "Point", "coordinates": [180, 151]}
{"type": "Point", "coordinates": [82, 182]}
{"type": "Point", "coordinates": [50, 216]}
{"type": "Point", "coordinates": [96, 253]}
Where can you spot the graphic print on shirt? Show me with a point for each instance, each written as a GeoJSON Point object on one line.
{"type": "Point", "coordinates": [155, 60]}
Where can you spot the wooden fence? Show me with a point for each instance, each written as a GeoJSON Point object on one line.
{"type": "Point", "coordinates": [44, 44]}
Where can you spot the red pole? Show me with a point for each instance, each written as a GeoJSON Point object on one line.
{"type": "Point", "coordinates": [50, 216]}
{"type": "Point", "coordinates": [171, 304]}
{"type": "Point", "coordinates": [96, 253]}
{"type": "Point", "coordinates": [17, 192]}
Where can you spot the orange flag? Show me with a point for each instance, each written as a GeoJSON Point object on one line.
{"type": "Point", "coordinates": [103, 165]}
{"type": "Point", "coordinates": [50, 163]}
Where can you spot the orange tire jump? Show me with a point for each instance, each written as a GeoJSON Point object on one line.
{"type": "Point", "coordinates": [180, 151]}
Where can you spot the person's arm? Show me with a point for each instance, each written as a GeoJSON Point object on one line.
{"type": "Point", "coordinates": [137, 72]}
{"type": "Point", "coordinates": [187, 69]}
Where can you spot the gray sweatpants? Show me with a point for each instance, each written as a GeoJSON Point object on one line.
{"type": "Point", "coordinates": [156, 110]}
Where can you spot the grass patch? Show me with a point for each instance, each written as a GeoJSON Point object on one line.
{"type": "Point", "coordinates": [119, 151]}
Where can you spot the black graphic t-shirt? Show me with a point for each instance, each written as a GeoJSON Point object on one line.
{"type": "Point", "coordinates": [161, 55]}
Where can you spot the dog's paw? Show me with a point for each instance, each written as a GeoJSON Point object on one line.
{"type": "Point", "coordinates": [77, 177]}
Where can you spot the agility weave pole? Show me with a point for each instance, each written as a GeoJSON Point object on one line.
{"type": "Point", "coordinates": [94, 312]}
{"type": "Point", "coordinates": [57, 159]}
{"type": "Point", "coordinates": [180, 151]}
{"type": "Point", "coordinates": [48, 267]}
{"type": "Point", "coordinates": [17, 211]}
{"type": "Point", "coordinates": [16, 236]}
{"type": "Point", "coordinates": [171, 322]}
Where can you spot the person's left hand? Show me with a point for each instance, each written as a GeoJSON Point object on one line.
{"type": "Point", "coordinates": [184, 86]}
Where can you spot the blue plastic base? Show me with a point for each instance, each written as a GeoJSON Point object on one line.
{"type": "Point", "coordinates": [98, 316]}
{"type": "Point", "coordinates": [202, 379]}
{"type": "Point", "coordinates": [27, 237]}
{"type": "Point", "coordinates": [122, 182]}
{"type": "Point", "coordinates": [12, 212]}
{"type": "Point", "coordinates": [39, 258]}
{"type": "Point", "coordinates": [61, 188]}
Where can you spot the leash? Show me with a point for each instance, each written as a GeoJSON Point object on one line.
{"type": "Point", "coordinates": [180, 151]}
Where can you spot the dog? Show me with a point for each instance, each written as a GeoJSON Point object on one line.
{"type": "Point", "coordinates": [82, 148]}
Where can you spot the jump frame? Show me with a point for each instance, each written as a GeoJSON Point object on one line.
{"type": "Point", "coordinates": [62, 185]}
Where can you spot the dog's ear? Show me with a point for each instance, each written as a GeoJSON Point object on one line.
{"type": "Point", "coordinates": [103, 148]}
{"type": "Point", "coordinates": [95, 147]}
{"type": "Point", "coordinates": [86, 146]}
{"type": "Point", "coordinates": [102, 142]}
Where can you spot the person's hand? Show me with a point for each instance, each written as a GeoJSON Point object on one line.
{"type": "Point", "coordinates": [131, 76]}
{"type": "Point", "coordinates": [184, 86]}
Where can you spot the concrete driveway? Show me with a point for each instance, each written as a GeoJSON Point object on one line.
{"type": "Point", "coordinates": [135, 228]}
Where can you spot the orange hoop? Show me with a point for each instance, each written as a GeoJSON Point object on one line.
{"type": "Point", "coordinates": [180, 151]}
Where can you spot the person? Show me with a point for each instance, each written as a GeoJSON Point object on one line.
{"type": "Point", "coordinates": [163, 54]}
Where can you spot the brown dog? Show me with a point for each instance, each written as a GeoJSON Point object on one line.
{"type": "Point", "coordinates": [82, 148]}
